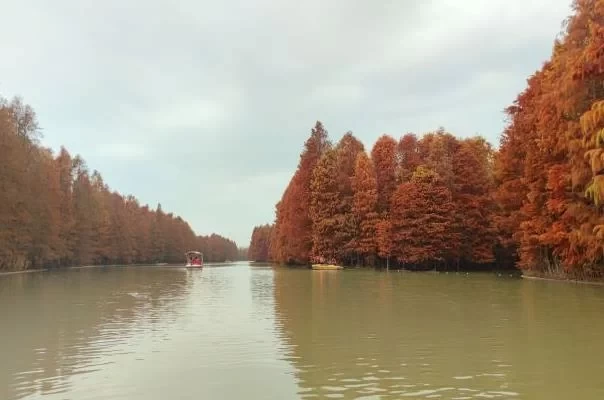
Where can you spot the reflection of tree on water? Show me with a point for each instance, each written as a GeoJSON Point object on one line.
{"type": "Point", "coordinates": [362, 333]}
{"type": "Point", "coordinates": [59, 324]}
{"type": "Point", "coordinates": [261, 288]}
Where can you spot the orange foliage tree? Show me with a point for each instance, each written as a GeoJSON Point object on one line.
{"type": "Point", "coordinates": [260, 244]}
{"type": "Point", "coordinates": [474, 238]}
{"type": "Point", "coordinates": [556, 124]}
{"type": "Point", "coordinates": [384, 157]}
{"type": "Point", "coordinates": [364, 208]}
{"type": "Point", "coordinates": [293, 224]}
{"type": "Point", "coordinates": [324, 202]}
{"type": "Point", "coordinates": [347, 151]}
{"type": "Point", "coordinates": [422, 220]}
{"type": "Point", "coordinates": [409, 157]}
{"type": "Point", "coordinates": [385, 244]}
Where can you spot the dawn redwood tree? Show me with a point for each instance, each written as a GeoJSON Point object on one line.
{"type": "Point", "coordinates": [474, 237]}
{"type": "Point", "coordinates": [63, 164]}
{"type": "Point", "coordinates": [260, 243]}
{"type": "Point", "coordinates": [324, 206]}
{"type": "Point", "coordinates": [158, 235]}
{"type": "Point", "coordinates": [510, 190]}
{"type": "Point", "coordinates": [586, 142]}
{"type": "Point", "coordinates": [409, 157]}
{"type": "Point", "coordinates": [546, 160]}
{"type": "Point", "coordinates": [384, 158]}
{"type": "Point", "coordinates": [85, 214]}
{"type": "Point", "coordinates": [253, 250]}
{"type": "Point", "coordinates": [422, 220]}
{"type": "Point", "coordinates": [437, 151]}
{"type": "Point", "coordinates": [15, 194]}
{"type": "Point", "coordinates": [347, 150]}
{"type": "Point", "coordinates": [384, 238]}
{"type": "Point", "coordinates": [45, 205]}
{"type": "Point", "coordinates": [103, 235]}
{"type": "Point", "coordinates": [364, 207]}
{"type": "Point", "coordinates": [293, 221]}
{"type": "Point", "coordinates": [282, 229]}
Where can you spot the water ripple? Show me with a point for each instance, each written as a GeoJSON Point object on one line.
{"type": "Point", "coordinates": [245, 332]}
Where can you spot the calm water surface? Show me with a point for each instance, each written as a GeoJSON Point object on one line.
{"type": "Point", "coordinates": [240, 331]}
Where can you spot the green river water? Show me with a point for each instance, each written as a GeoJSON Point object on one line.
{"type": "Point", "coordinates": [248, 331]}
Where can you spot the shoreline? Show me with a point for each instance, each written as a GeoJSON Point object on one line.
{"type": "Point", "coordinates": [594, 282]}
{"type": "Point", "coordinates": [564, 280]}
{"type": "Point", "coordinates": [29, 271]}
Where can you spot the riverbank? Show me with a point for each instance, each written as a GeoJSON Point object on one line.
{"type": "Point", "coordinates": [28, 271]}
{"type": "Point", "coordinates": [564, 279]}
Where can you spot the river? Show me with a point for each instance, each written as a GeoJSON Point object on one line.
{"type": "Point", "coordinates": [247, 331]}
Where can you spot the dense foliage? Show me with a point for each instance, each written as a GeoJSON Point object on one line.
{"type": "Point", "coordinates": [550, 167]}
{"type": "Point", "coordinates": [439, 200]}
{"type": "Point", "coordinates": [55, 212]}
{"type": "Point", "coordinates": [418, 203]}
{"type": "Point", "coordinates": [259, 249]}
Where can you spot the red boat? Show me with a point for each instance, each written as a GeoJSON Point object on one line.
{"type": "Point", "coordinates": [194, 259]}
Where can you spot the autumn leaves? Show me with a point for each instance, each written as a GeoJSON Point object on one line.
{"type": "Point", "coordinates": [420, 203]}
{"type": "Point", "coordinates": [550, 164]}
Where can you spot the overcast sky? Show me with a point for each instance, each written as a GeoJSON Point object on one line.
{"type": "Point", "coordinates": [204, 106]}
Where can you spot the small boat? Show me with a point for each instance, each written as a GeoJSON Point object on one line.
{"type": "Point", "coordinates": [194, 259]}
{"type": "Point", "coordinates": [326, 266]}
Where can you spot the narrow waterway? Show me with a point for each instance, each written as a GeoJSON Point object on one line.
{"type": "Point", "coordinates": [240, 330]}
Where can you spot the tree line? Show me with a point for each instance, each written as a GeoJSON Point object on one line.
{"type": "Point", "coordinates": [55, 212]}
{"type": "Point", "coordinates": [443, 201]}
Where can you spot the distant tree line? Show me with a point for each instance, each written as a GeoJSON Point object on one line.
{"type": "Point", "coordinates": [55, 212]}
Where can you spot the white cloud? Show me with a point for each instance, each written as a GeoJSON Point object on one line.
{"type": "Point", "coordinates": [124, 151]}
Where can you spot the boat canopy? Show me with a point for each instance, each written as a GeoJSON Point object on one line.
{"type": "Point", "coordinates": [194, 258]}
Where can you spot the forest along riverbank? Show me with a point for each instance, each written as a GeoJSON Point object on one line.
{"type": "Point", "coordinates": [425, 214]}
{"type": "Point", "coordinates": [68, 214]}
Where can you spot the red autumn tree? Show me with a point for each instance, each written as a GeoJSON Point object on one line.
{"type": "Point", "coordinates": [324, 207]}
{"type": "Point", "coordinates": [293, 224]}
{"type": "Point", "coordinates": [364, 207]}
{"type": "Point", "coordinates": [260, 243]}
{"type": "Point", "coordinates": [511, 191]}
{"type": "Point", "coordinates": [422, 220]}
{"type": "Point", "coordinates": [474, 238]}
{"type": "Point", "coordinates": [383, 156]}
{"type": "Point", "coordinates": [437, 151]}
{"type": "Point", "coordinates": [557, 231]}
{"type": "Point", "coordinates": [347, 150]}
{"type": "Point", "coordinates": [409, 157]}
{"type": "Point", "coordinates": [385, 244]}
